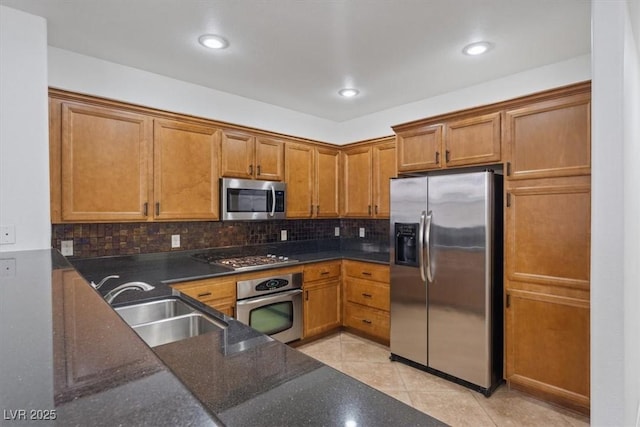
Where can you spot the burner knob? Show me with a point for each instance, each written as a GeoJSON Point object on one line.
{"type": "Point", "coordinates": [281, 258]}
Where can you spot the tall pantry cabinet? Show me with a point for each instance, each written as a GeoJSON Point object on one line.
{"type": "Point", "coordinates": [547, 252]}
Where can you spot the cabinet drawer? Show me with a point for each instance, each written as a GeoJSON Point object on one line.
{"type": "Point", "coordinates": [204, 290]}
{"type": "Point", "coordinates": [367, 270]}
{"type": "Point", "coordinates": [366, 292]}
{"type": "Point", "coordinates": [322, 271]}
{"type": "Point", "coordinates": [369, 320]}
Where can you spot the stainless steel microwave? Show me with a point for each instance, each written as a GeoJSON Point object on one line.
{"type": "Point", "coordinates": [246, 199]}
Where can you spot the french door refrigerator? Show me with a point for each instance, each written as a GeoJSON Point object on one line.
{"type": "Point", "coordinates": [446, 276]}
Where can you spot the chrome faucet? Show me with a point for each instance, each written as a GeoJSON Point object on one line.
{"type": "Point", "coordinates": [138, 286]}
{"type": "Point", "coordinates": [115, 276]}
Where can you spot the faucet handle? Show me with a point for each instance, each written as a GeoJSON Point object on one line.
{"type": "Point", "coordinates": [115, 276]}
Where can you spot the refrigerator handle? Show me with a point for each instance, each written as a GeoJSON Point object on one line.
{"type": "Point", "coordinates": [423, 218]}
{"type": "Point", "coordinates": [427, 234]}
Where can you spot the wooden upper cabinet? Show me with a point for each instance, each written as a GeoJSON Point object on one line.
{"type": "Point", "coordinates": [357, 199]}
{"type": "Point", "coordinates": [419, 149]}
{"type": "Point", "coordinates": [106, 163]}
{"type": "Point", "coordinates": [243, 155]}
{"type": "Point", "coordinates": [299, 180]}
{"type": "Point", "coordinates": [327, 182]}
{"type": "Point", "coordinates": [384, 168]}
{"type": "Point", "coordinates": [550, 138]}
{"type": "Point", "coordinates": [185, 171]}
{"type": "Point", "coordinates": [473, 140]}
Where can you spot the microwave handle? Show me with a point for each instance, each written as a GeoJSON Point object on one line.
{"type": "Point", "coordinates": [273, 201]}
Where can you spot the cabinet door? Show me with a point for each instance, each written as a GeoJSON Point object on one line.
{"type": "Point", "coordinates": [357, 182]}
{"type": "Point", "coordinates": [419, 150]}
{"type": "Point", "coordinates": [384, 168]}
{"type": "Point", "coordinates": [269, 159]}
{"type": "Point", "coordinates": [547, 346]}
{"type": "Point", "coordinates": [299, 179]}
{"type": "Point", "coordinates": [321, 307]}
{"type": "Point", "coordinates": [185, 171]}
{"type": "Point", "coordinates": [236, 155]}
{"type": "Point", "coordinates": [550, 138]}
{"type": "Point", "coordinates": [473, 140]}
{"type": "Point", "coordinates": [327, 183]}
{"type": "Point", "coordinates": [106, 164]}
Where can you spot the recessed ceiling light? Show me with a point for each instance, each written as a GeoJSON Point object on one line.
{"type": "Point", "coordinates": [477, 48]}
{"type": "Point", "coordinates": [348, 92]}
{"type": "Point", "coordinates": [213, 41]}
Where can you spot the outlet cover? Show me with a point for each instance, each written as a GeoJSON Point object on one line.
{"type": "Point", "coordinates": [7, 234]}
{"type": "Point", "coordinates": [175, 241]}
{"type": "Point", "coordinates": [7, 267]}
{"type": "Point", "coordinates": [283, 234]}
{"type": "Point", "coordinates": [66, 247]}
{"type": "Point", "coordinates": [336, 231]}
{"type": "Point", "coordinates": [361, 231]}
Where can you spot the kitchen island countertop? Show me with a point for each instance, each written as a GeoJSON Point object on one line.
{"type": "Point", "coordinates": [67, 355]}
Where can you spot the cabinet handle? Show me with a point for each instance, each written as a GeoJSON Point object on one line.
{"type": "Point", "coordinates": [376, 209]}
{"type": "Point", "coordinates": [366, 273]}
{"type": "Point", "coordinates": [368, 322]}
{"type": "Point", "coordinates": [366, 295]}
{"type": "Point", "coordinates": [317, 209]}
{"type": "Point", "coordinates": [145, 209]}
{"type": "Point", "coordinates": [233, 311]}
{"type": "Point", "coordinates": [324, 272]}
{"type": "Point", "coordinates": [446, 156]}
{"type": "Point", "coordinates": [437, 157]}
{"type": "Point", "coordinates": [250, 169]}
{"type": "Point", "coordinates": [508, 200]}
{"type": "Point", "coordinates": [204, 294]}
{"type": "Point", "coordinates": [258, 169]}
{"type": "Point", "coordinates": [311, 209]}
{"type": "Point", "coordinates": [369, 209]}
{"type": "Point", "coordinates": [508, 300]}
{"type": "Point", "coordinates": [306, 295]}
{"type": "Point", "coordinates": [157, 208]}
{"type": "Point", "coordinates": [508, 168]}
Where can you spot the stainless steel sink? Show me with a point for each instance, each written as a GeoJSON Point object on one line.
{"type": "Point", "coordinates": [177, 328]}
{"type": "Point", "coordinates": [155, 310]}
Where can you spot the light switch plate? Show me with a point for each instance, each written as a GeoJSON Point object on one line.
{"type": "Point", "coordinates": [66, 247]}
{"type": "Point", "coordinates": [336, 231]}
{"type": "Point", "coordinates": [361, 231]}
{"type": "Point", "coordinates": [7, 234]}
{"type": "Point", "coordinates": [7, 267]}
{"type": "Point", "coordinates": [283, 234]}
{"type": "Point", "coordinates": [175, 241]}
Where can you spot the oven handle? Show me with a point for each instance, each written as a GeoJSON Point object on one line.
{"type": "Point", "coordinates": [273, 201]}
{"type": "Point", "coordinates": [281, 296]}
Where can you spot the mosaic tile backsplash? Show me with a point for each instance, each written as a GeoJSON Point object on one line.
{"type": "Point", "coordinates": [94, 240]}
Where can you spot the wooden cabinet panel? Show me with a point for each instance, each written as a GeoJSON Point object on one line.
{"type": "Point", "coordinates": [106, 164]}
{"type": "Point", "coordinates": [548, 232]}
{"type": "Point", "coordinates": [236, 155]}
{"type": "Point", "coordinates": [322, 271]}
{"type": "Point", "coordinates": [375, 323]}
{"type": "Point", "coordinates": [269, 159]}
{"type": "Point", "coordinates": [219, 294]}
{"type": "Point", "coordinates": [371, 294]}
{"type": "Point", "coordinates": [299, 180]}
{"type": "Point", "coordinates": [473, 140]}
{"type": "Point", "coordinates": [547, 340]}
{"type": "Point", "coordinates": [367, 271]}
{"type": "Point", "coordinates": [357, 182]}
{"type": "Point", "coordinates": [321, 307]}
{"type": "Point", "coordinates": [327, 183]}
{"type": "Point", "coordinates": [185, 171]}
{"type": "Point", "coordinates": [419, 149]}
{"type": "Point", "coordinates": [550, 138]}
{"type": "Point", "coordinates": [384, 168]}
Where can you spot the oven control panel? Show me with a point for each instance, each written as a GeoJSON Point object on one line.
{"type": "Point", "coordinates": [268, 284]}
{"type": "Point", "coordinates": [271, 284]}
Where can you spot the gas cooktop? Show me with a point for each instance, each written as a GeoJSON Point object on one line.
{"type": "Point", "coordinates": [242, 263]}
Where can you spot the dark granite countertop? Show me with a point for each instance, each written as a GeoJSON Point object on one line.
{"type": "Point", "coordinates": [65, 350]}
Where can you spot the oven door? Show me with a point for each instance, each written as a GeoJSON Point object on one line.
{"type": "Point", "coordinates": [278, 315]}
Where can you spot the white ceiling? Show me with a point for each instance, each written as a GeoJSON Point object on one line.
{"type": "Point", "coordinates": [297, 54]}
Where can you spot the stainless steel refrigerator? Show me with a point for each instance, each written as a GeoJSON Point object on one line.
{"type": "Point", "coordinates": [446, 276]}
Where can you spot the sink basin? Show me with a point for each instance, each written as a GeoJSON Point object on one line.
{"type": "Point", "coordinates": [177, 328]}
{"type": "Point", "coordinates": [155, 310]}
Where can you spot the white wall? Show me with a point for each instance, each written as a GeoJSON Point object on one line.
{"type": "Point", "coordinates": [84, 74]}
{"type": "Point", "coordinates": [24, 130]}
{"type": "Point", "coordinates": [615, 259]}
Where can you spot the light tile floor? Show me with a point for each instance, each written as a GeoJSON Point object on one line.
{"type": "Point", "coordinates": [449, 402]}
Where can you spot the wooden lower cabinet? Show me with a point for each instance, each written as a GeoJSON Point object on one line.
{"type": "Point", "coordinates": [216, 293]}
{"type": "Point", "coordinates": [366, 299]}
{"type": "Point", "coordinates": [547, 346]}
{"type": "Point", "coordinates": [322, 298]}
